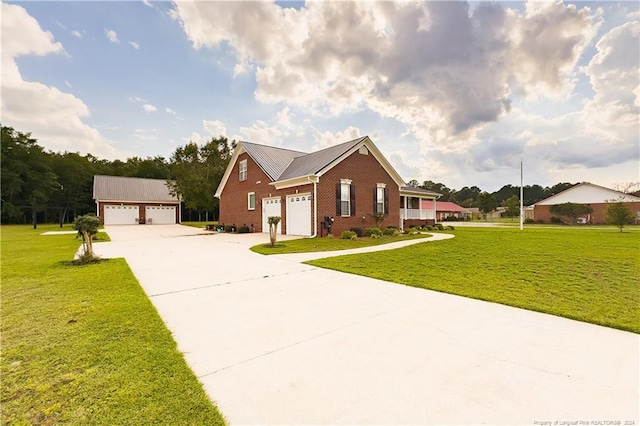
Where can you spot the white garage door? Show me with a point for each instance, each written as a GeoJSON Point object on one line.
{"type": "Point", "coordinates": [299, 214]}
{"type": "Point", "coordinates": [271, 207]}
{"type": "Point", "coordinates": [120, 215]}
{"type": "Point", "coordinates": [160, 215]}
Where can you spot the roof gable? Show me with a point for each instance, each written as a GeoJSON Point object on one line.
{"type": "Point", "coordinates": [587, 193]}
{"type": "Point", "coordinates": [121, 188]}
{"type": "Point", "coordinates": [272, 160]}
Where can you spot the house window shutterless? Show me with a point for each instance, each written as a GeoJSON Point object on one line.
{"type": "Point", "coordinates": [345, 198]}
{"type": "Point", "coordinates": [251, 200]}
{"type": "Point", "coordinates": [243, 170]}
{"type": "Point", "coordinates": [380, 199]}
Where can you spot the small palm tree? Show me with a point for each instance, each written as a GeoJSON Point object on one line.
{"type": "Point", "coordinates": [87, 227]}
{"type": "Point", "coordinates": [273, 227]}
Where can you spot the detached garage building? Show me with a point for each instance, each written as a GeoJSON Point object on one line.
{"type": "Point", "coordinates": [130, 201]}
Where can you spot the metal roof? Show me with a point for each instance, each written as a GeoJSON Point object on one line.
{"type": "Point", "coordinates": [316, 161]}
{"type": "Point", "coordinates": [120, 188]}
{"type": "Point", "coordinates": [273, 161]}
{"type": "Point", "coordinates": [415, 190]}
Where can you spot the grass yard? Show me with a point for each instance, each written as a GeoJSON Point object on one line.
{"type": "Point", "coordinates": [590, 275]}
{"type": "Point", "coordinates": [305, 245]}
{"type": "Point", "coordinates": [84, 345]}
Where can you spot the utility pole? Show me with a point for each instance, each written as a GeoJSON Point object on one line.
{"type": "Point", "coordinates": [521, 198]}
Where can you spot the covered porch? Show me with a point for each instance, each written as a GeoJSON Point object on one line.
{"type": "Point", "coordinates": [412, 212]}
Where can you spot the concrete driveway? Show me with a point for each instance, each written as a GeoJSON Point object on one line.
{"type": "Point", "coordinates": [275, 341]}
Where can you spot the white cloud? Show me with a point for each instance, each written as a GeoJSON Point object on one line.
{"type": "Point", "coordinates": [147, 3]}
{"type": "Point", "coordinates": [260, 132]}
{"type": "Point", "coordinates": [136, 99]}
{"type": "Point", "coordinates": [112, 36]}
{"type": "Point", "coordinates": [135, 45]}
{"type": "Point", "coordinates": [52, 116]}
{"type": "Point", "coordinates": [170, 111]}
{"type": "Point", "coordinates": [215, 128]}
{"type": "Point", "coordinates": [77, 33]}
{"type": "Point", "coordinates": [149, 108]}
{"type": "Point", "coordinates": [326, 139]}
{"type": "Point", "coordinates": [68, 84]}
{"type": "Point", "coordinates": [146, 135]}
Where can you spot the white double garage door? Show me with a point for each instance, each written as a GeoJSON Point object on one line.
{"type": "Point", "coordinates": [298, 213]}
{"type": "Point", "coordinates": [128, 215]}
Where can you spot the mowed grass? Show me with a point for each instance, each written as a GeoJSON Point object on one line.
{"type": "Point", "coordinates": [590, 275]}
{"type": "Point", "coordinates": [305, 245]}
{"type": "Point", "coordinates": [84, 345]}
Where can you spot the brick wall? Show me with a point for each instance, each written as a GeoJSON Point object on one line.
{"type": "Point", "coordinates": [597, 217]}
{"type": "Point", "coordinates": [365, 172]}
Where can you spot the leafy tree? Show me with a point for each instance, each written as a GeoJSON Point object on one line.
{"type": "Point", "coordinates": [505, 193]}
{"type": "Point", "coordinates": [198, 171]}
{"type": "Point", "coordinates": [27, 178]}
{"type": "Point", "coordinates": [487, 202]}
{"type": "Point", "coordinates": [75, 176]}
{"type": "Point", "coordinates": [533, 194]}
{"type": "Point", "coordinates": [468, 196]}
{"type": "Point", "coordinates": [439, 188]}
{"type": "Point", "coordinates": [87, 227]}
{"type": "Point", "coordinates": [512, 205]}
{"type": "Point", "coordinates": [619, 214]}
{"type": "Point", "coordinates": [570, 210]}
{"type": "Point", "coordinates": [273, 222]}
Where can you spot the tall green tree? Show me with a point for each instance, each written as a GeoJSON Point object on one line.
{"type": "Point", "coordinates": [197, 171]}
{"type": "Point", "coordinates": [487, 202]}
{"type": "Point", "coordinates": [512, 206]}
{"type": "Point", "coordinates": [571, 210]}
{"type": "Point", "coordinates": [27, 178]}
{"type": "Point", "coordinates": [75, 176]}
{"type": "Point", "coordinates": [619, 214]}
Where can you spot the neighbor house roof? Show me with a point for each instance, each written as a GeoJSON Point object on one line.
{"type": "Point", "coordinates": [443, 206]}
{"type": "Point", "coordinates": [413, 191]}
{"type": "Point", "coordinates": [120, 188]}
{"type": "Point", "coordinates": [587, 193]}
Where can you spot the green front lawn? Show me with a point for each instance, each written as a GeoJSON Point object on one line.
{"type": "Point", "coordinates": [306, 245]}
{"type": "Point", "coordinates": [84, 345]}
{"type": "Point", "coordinates": [590, 275]}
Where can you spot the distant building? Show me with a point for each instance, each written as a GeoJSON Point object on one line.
{"type": "Point", "coordinates": [595, 196]}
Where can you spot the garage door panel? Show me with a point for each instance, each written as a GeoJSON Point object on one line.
{"type": "Point", "coordinates": [121, 215]}
{"type": "Point", "coordinates": [271, 207]}
{"type": "Point", "coordinates": [299, 215]}
{"type": "Point", "coordinates": [160, 215]}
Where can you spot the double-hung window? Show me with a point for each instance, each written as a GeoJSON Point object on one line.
{"type": "Point", "coordinates": [380, 199]}
{"type": "Point", "coordinates": [251, 200]}
{"type": "Point", "coordinates": [243, 170]}
{"type": "Point", "coordinates": [345, 198]}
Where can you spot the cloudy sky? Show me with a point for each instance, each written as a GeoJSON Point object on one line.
{"type": "Point", "coordinates": [454, 92]}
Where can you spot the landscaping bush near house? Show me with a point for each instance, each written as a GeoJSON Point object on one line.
{"type": "Point", "coordinates": [529, 220]}
{"type": "Point", "coordinates": [556, 220]}
{"type": "Point", "coordinates": [438, 226]}
{"type": "Point", "coordinates": [374, 231]}
{"type": "Point", "coordinates": [244, 229]}
{"type": "Point", "coordinates": [449, 228]}
{"type": "Point", "coordinates": [391, 231]}
{"type": "Point", "coordinates": [348, 235]}
{"type": "Point", "coordinates": [412, 231]}
{"type": "Point", "coordinates": [359, 231]}
{"type": "Point", "coordinates": [229, 228]}
{"type": "Point", "coordinates": [428, 228]}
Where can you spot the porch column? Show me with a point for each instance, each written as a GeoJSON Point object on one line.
{"type": "Point", "coordinates": [434, 209]}
{"type": "Point", "coordinates": [420, 206]}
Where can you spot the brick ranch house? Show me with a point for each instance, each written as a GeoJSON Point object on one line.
{"type": "Point", "coordinates": [587, 193]}
{"type": "Point", "coordinates": [130, 201]}
{"type": "Point", "coordinates": [348, 182]}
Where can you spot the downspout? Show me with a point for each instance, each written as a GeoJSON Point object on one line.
{"type": "Point", "coordinates": [315, 205]}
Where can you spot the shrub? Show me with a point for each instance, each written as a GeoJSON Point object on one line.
{"type": "Point", "coordinates": [244, 229]}
{"type": "Point", "coordinates": [540, 220]}
{"type": "Point", "coordinates": [390, 230]}
{"type": "Point", "coordinates": [438, 226]}
{"type": "Point", "coordinates": [375, 236]}
{"type": "Point", "coordinates": [529, 220]}
{"type": "Point", "coordinates": [428, 228]}
{"type": "Point", "coordinates": [330, 237]}
{"type": "Point", "coordinates": [556, 219]}
{"type": "Point", "coordinates": [359, 232]}
{"type": "Point", "coordinates": [374, 231]}
{"type": "Point", "coordinates": [229, 228]}
{"type": "Point", "coordinates": [412, 231]}
{"type": "Point", "coordinates": [449, 228]}
{"type": "Point", "coordinates": [348, 235]}
{"type": "Point", "coordinates": [354, 237]}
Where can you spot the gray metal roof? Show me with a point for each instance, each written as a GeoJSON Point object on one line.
{"type": "Point", "coordinates": [316, 161]}
{"type": "Point", "coordinates": [120, 188]}
{"type": "Point", "coordinates": [273, 161]}
{"type": "Point", "coordinates": [418, 190]}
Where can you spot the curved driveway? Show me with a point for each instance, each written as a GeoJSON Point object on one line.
{"type": "Point", "coordinates": [275, 341]}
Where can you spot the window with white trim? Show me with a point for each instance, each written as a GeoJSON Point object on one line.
{"type": "Point", "coordinates": [243, 170]}
{"type": "Point", "coordinates": [251, 201]}
{"type": "Point", "coordinates": [380, 199]}
{"type": "Point", "coordinates": [345, 198]}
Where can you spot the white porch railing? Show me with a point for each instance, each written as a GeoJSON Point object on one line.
{"type": "Point", "coordinates": [417, 214]}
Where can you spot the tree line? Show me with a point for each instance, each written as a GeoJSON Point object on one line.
{"type": "Point", "coordinates": [45, 186]}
